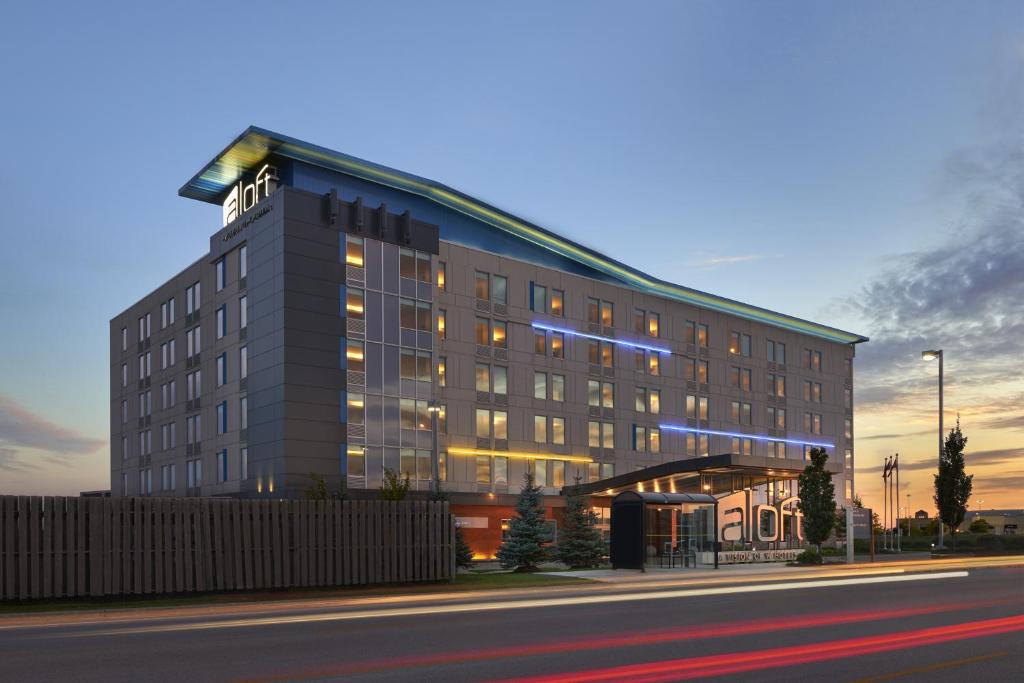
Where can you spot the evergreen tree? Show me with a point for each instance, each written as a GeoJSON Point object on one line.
{"type": "Point", "coordinates": [318, 489]}
{"type": "Point", "coordinates": [463, 553]}
{"type": "Point", "coordinates": [952, 484]}
{"type": "Point", "coordinates": [817, 499]}
{"type": "Point", "coordinates": [526, 544]}
{"type": "Point", "coordinates": [579, 543]}
{"type": "Point", "coordinates": [394, 489]}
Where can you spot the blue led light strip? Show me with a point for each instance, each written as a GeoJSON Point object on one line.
{"type": "Point", "coordinates": [756, 437]}
{"type": "Point", "coordinates": [611, 340]}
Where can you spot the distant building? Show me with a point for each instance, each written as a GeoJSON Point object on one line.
{"type": "Point", "coordinates": [1002, 521]}
{"type": "Point", "coordinates": [921, 514]}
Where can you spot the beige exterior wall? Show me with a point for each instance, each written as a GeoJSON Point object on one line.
{"type": "Point", "coordinates": [461, 354]}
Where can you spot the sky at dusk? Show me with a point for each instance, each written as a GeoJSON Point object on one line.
{"type": "Point", "coordinates": [858, 164]}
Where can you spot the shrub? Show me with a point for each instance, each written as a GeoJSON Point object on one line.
{"type": "Point", "coordinates": [809, 556]}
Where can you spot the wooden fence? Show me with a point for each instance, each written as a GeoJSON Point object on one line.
{"type": "Point", "coordinates": [66, 547]}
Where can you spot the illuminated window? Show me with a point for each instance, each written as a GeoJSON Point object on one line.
{"type": "Point", "coordinates": [742, 446]}
{"type": "Point", "coordinates": [407, 413]}
{"type": "Point", "coordinates": [812, 359]}
{"type": "Point", "coordinates": [848, 398]}
{"type": "Point", "coordinates": [557, 473]}
{"type": "Point", "coordinates": [558, 431]}
{"type": "Point", "coordinates": [776, 417]}
{"type": "Point", "coordinates": [776, 385]}
{"type": "Point", "coordinates": [540, 343]}
{"type": "Point", "coordinates": [483, 470]}
{"type": "Point", "coordinates": [739, 344]}
{"type": "Point", "coordinates": [356, 457]}
{"type": "Point", "coordinates": [483, 423]}
{"type": "Point", "coordinates": [654, 435]}
{"type": "Point", "coordinates": [540, 429]}
{"type": "Point", "coordinates": [639, 438]}
{"type": "Point", "coordinates": [640, 400]}
{"type": "Point", "coordinates": [499, 331]}
{"type": "Point", "coordinates": [557, 345]}
{"type": "Point", "coordinates": [540, 385]}
{"type": "Point", "coordinates": [848, 459]}
{"type": "Point", "coordinates": [483, 286]}
{"type": "Point", "coordinates": [441, 275]}
{"type": "Point", "coordinates": [812, 423]}
{"type": "Point", "coordinates": [607, 435]}
{"type": "Point", "coordinates": [702, 371]}
{"type": "Point", "coordinates": [702, 335]}
{"type": "Point", "coordinates": [355, 303]}
{"type": "Point", "coordinates": [654, 401]}
{"type": "Point", "coordinates": [607, 317]}
{"type": "Point", "coordinates": [243, 262]}
{"type": "Point", "coordinates": [483, 332]}
{"type": "Point", "coordinates": [243, 312]}
{"type": "Point", "coordinates": [607, 357]}
{"type": "Point", "coordinates": [557, 387]}
{"type": "Point", "coordinates": [500, 424]}
{"type": "Point", "coordinates": [540, 472]}
{"type": "Point", "coordinates": [442, 371]}
{"type": "Point", "coordinates": [354, 251]}
{"type": "Point", "coordinates": [653, 363]}
{"type": "Point", "coordinates": [557, 302]}
{"type": "Point", "coordinates": [500, 470]}
{"type": "Point", "coordinates": [654, 324]}
{"type": "Point", "coordinates": [483, 377]}
{"type": "Point", "coordinates": [441, 324]}
{"type": "Point", "coordinates": [594, 434]}
{"type": "Point", "coordinates": [355, 356]}
{"type": "Point", "coordinates": [812, 391]}
{"type": "Point", "coordinates": [593, 310]}
{"type": "Point", "coordinates": [356, 404]}
{"type": "Point", "coordinates": [848, 428]}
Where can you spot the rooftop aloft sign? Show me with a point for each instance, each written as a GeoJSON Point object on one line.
{"type": "Point", "coordinates": [243, 197]}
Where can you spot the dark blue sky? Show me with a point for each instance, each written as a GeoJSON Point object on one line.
{"type": "Point", "coordinates": [779, 153]}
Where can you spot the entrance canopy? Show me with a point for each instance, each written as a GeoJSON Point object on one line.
{"type": "Point", "coordinates": [714, 474]}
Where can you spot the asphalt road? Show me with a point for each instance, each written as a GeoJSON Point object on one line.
{"type": "Point", "coordinates": [965, 625]}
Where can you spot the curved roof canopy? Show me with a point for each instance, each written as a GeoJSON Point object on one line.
{"type": "Point", "coordinates": [255, 144]}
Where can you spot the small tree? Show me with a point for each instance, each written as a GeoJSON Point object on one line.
{"type": "Point", "coordinates": [318, 488]}
{"type": "Point", "coordinates": [857, 502]}
{"type": "Point", "coordinates": [579, 543]}
{"type": "Point", "coordinates": [463, 553]}
{"type": "Point", "coordinates": [526, 544]}
{"type": "Point", "coordinates": [952, 484]}
{"type": "Point", "coordinates": [395, 488]}
{"type": "Point", "coordinates": [817, 499]}
{"type": "Point", "coordinates": [980, 526]}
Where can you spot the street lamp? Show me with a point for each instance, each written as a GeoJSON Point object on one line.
{"type": "Point", "coordinates": [928, 356]}
{"type": "Point", "coordinates": [435, 466]}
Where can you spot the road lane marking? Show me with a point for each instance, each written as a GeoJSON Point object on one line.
{"type": "Point", "coordinates": [931, 667]}
{"type": "Point", "coordinates": [513, 604]}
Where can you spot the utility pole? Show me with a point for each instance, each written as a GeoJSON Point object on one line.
{"type": "Point", "coordinates": [899, 531]}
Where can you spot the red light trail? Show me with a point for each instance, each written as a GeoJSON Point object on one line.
{"type": "Point", "coordinates": [738, 662]}
{"type": "Point", "coordinates": [631, 639]}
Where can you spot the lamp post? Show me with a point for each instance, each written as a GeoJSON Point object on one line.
{"type": "Point", "coordinates": [927, 356]}
{"type": "Point", "coordinates": [435, 466]}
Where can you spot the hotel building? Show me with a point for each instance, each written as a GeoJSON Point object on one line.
{"type": "Point", "coordinates": [341, 300]}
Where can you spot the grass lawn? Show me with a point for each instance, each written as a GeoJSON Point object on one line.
{"type": "Point", "coordinates": [491, 580]}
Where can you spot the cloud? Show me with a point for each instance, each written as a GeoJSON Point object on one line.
{"type": "Point", "coordinates": [714, 261]}
{"type": "Point", "coordinates": [20, 429]}
{"type": "Point", "coordinates": [964, 295]}
{"type": "Point", "coordinates": [996, 456]}
{"type": "Point", "coordinates": [895, 436]}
